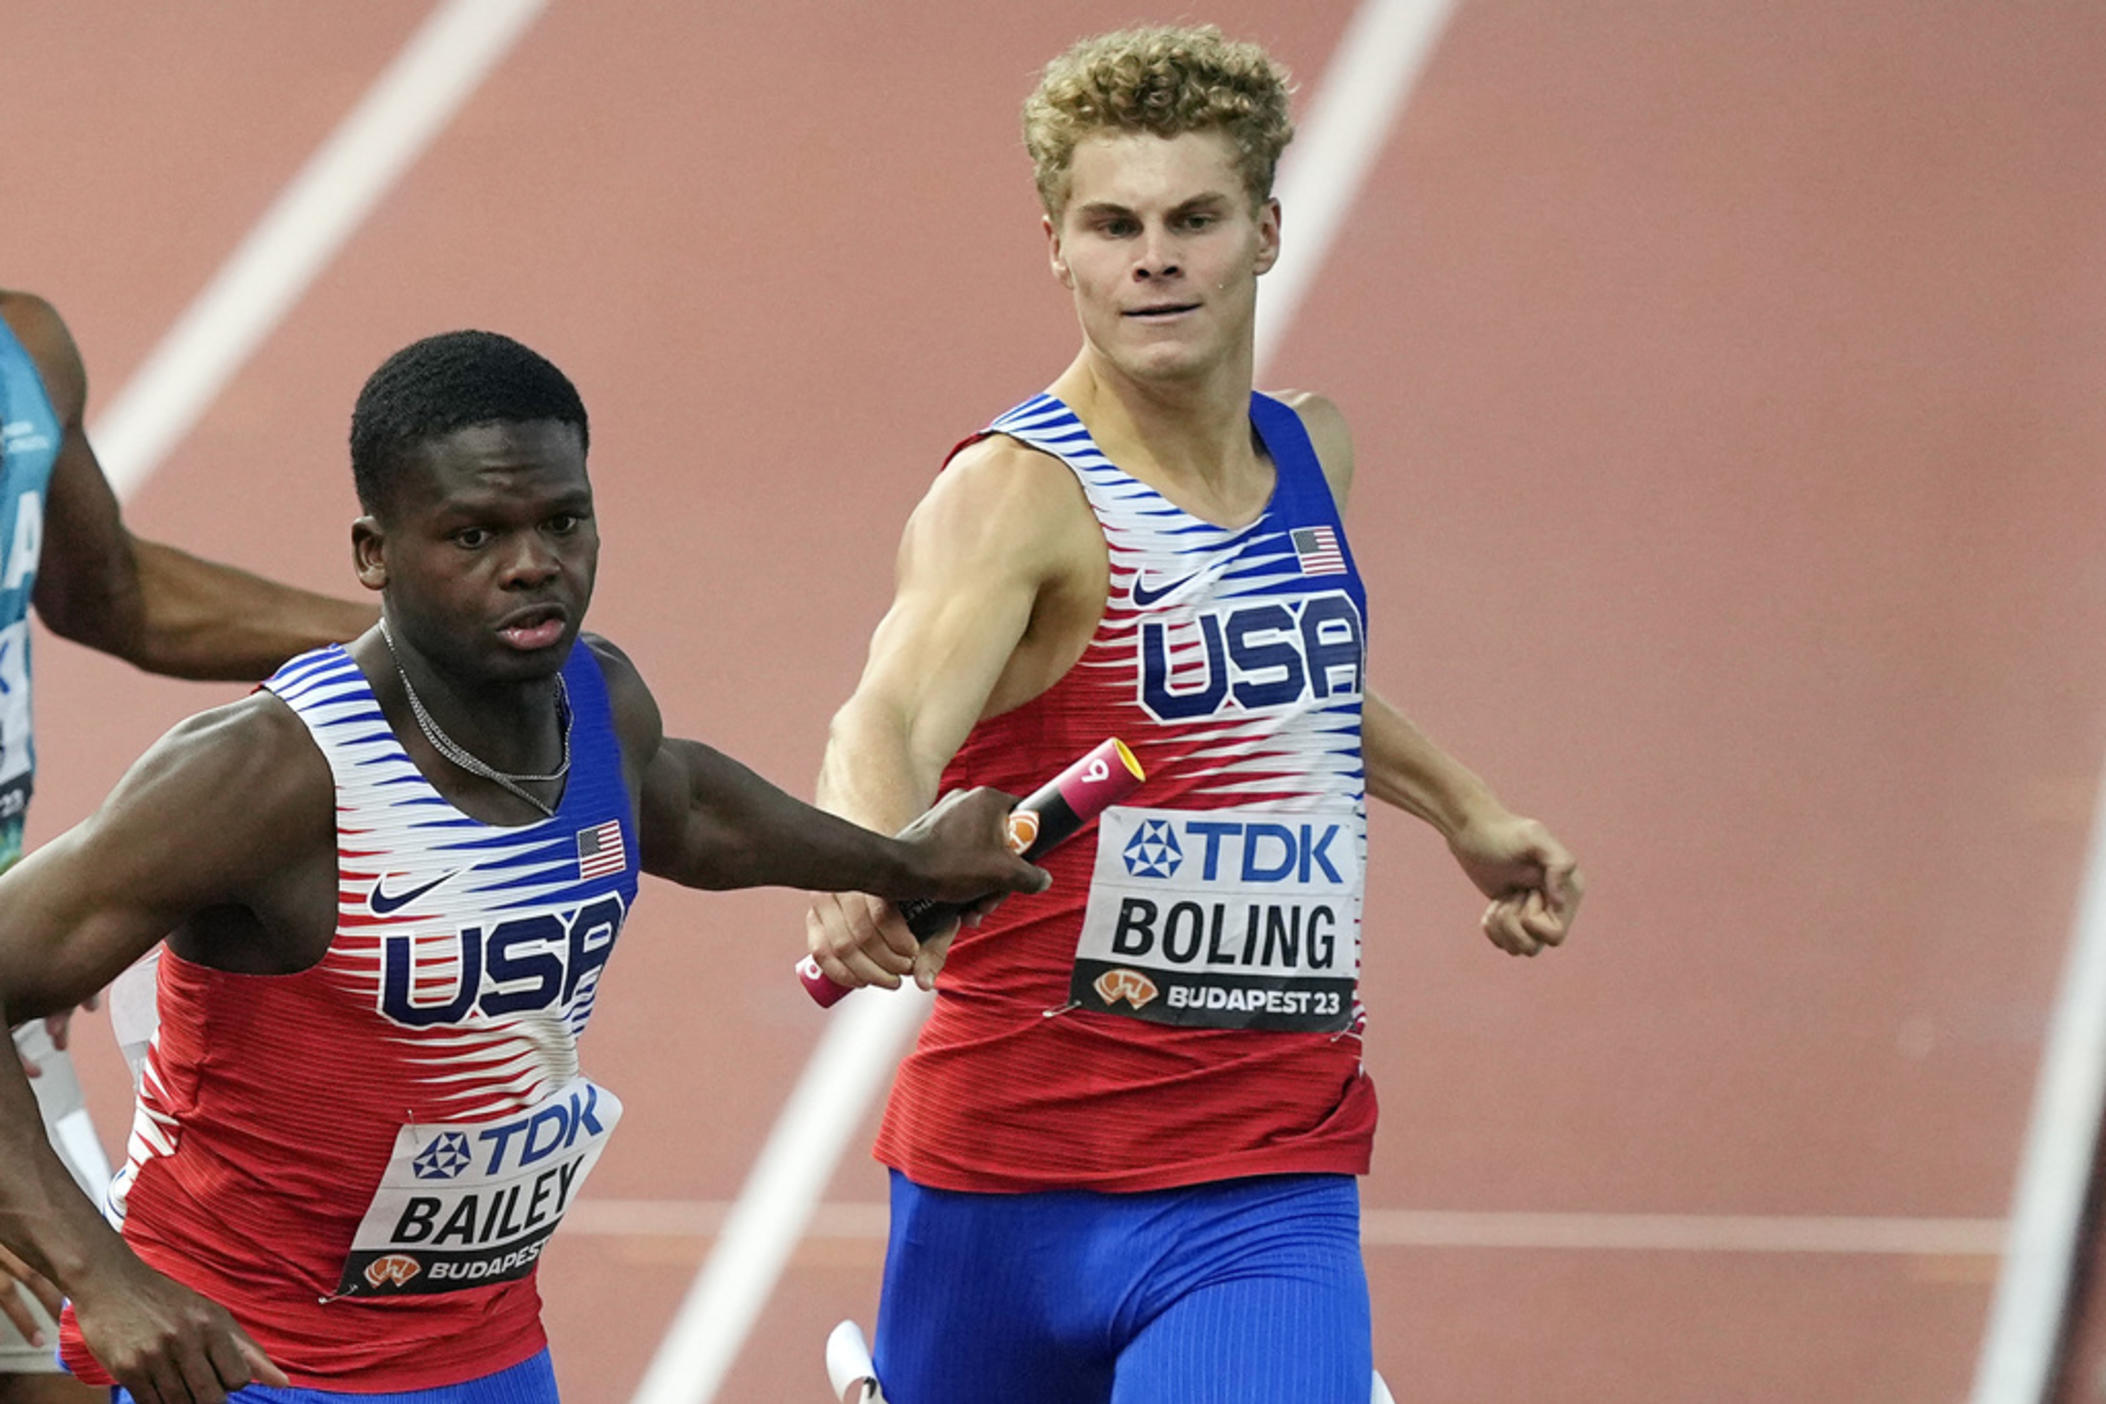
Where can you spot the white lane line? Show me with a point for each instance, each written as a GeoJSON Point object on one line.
{"type": "Point", "coordinates": [1419, 1228]}
{"type": "Point", "coordinates": [2019, 1347]}
{"type": "Point", "coordinates": [409, 104]}
{"type": "Point", "coordinates": [762, 1227]}
{"type": "Point", "coordinates": [1356, 105]}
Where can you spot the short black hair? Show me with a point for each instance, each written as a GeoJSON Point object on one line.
{"type": "Point", "coordinates": [433, 387]}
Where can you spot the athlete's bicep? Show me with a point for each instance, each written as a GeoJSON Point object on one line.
{"type": "Point", "coordinates": [203, 819]}
{"type": "Point", "coordinates": [665, 808]}
{"type": "Point", "coordinates": [978, 552]}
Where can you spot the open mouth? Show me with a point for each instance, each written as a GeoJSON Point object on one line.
{"type": "Point", "coordinates": [534, 627]}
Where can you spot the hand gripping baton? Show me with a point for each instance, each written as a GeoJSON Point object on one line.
{"type": "Point", "coordinates": [1038, 825]}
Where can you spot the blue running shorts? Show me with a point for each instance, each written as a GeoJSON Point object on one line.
{"type": "Point", "coordinates": [531, 1381]}
{"type": "Point", "coordinates": [1247, 1290]}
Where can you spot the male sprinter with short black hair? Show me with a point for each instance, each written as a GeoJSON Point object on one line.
{"type": "Point", "coordinates": [65, 549]}
{"type": "Point", "coordinates": [1123, 1150]}
{"type": "Point", "coordinates": [389, 883]}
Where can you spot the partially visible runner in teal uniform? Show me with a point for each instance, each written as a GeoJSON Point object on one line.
{"type": "Point", "coordinates": [64, 548]}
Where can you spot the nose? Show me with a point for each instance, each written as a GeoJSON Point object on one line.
{"type": "Point", "coordinates": [530, 562]}
{"type": "Point", "coordinates": [1157, 258]}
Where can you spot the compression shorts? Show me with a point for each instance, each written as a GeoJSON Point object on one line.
{"type": "Point", "coordinates": [1250, 1289]}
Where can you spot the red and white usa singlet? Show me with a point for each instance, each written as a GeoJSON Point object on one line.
{"type": "Point", "coordinates": [363, 1161]}
{"type": "Point", "coordinates": [1181, 1005]}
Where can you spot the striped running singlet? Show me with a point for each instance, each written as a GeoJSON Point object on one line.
{"type": "Point", "coordinates": [362, 1161]}
{"type": "Point", "coordinates": [1181, 1006]}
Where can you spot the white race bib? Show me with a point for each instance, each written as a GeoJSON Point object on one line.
{"type": "Point", "coordinates": [1224, 918]}
{"type": "Point", "coordinates": [472, 1203]}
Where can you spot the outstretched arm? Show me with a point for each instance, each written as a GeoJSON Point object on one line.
{"type": "Point", "coordinates": [982, 565]}
{"type": "Point", "coordinates": [204, 819]}
{"type": "Point", "coordinates": [996, 533]}
{"type": "Point", "coordinates": [159, 608]}
{"type": "Point", "coordinates": [1533, 880]}
{"type": "Point", "coordinates": [707, 821]}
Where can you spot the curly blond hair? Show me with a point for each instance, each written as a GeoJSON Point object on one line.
{"type": "Point", "coordinates": [1165, 80]}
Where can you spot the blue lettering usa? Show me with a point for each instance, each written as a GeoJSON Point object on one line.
{"type": "Point", "coordinates": [1267, 653]}
{"type": "Point", "coordinates": [522, 964]}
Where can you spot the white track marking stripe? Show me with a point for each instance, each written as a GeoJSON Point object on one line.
{"type": "Point", "coordinates": [1421, 1228]}
{"type": "Point", "coordinates": [1356, 106]}
{"type": "Point", "coordinates": [763, 1225]}
{"type": "Point", "coordinates": [409, 104]}
{"type": "Point", "coordinates": [2017, 1362]}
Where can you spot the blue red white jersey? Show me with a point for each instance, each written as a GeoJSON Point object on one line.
{"type": "Point", "coordinates": [1181, 1005]}
{"type": "Point", "coordinates": [30, 437]}
{"type": "Point", "coordinates": [363, 1161]}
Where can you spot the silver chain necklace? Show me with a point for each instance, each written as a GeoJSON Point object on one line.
{"type": "Point", "coordinates": [461, 756]}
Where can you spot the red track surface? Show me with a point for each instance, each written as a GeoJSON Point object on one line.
{"type": "Point", "coordinates": [1728, 389]}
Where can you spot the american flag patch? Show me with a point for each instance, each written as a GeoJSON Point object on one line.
{"type": "Point", "coordinates": [600, 850]}
{"type": "Point", "coordinates": [1317, 549]}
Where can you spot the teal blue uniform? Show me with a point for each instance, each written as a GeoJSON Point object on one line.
{"type": "Point", "coordinates": [30, 434]}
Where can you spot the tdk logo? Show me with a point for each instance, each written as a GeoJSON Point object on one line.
{"type": "Point", "coordinates": [443, 1159]}
{"type": "Point", "coordinates": [1153, 850]}
{"type": "Point", "coordinates": [528, 1140]}
{"type": "Point", "coordinates": [1237, 851]}
{"type": "Point", "coordinates": [1257, 655]}
{"type": "Point", "coordinates": [517, 966]}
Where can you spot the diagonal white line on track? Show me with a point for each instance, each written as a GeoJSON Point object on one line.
{"type": "Point", "coordinates": [408, 105]}
{"type": "Point", "coordinates": [2018, 1359]}
{"type": "Point", "coordinates": [1355, 106]}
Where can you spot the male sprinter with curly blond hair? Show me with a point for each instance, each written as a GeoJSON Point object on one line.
{"type": "Point", "coordinates": [1123, 1151]}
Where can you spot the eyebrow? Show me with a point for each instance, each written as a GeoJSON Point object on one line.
{"type": "Point", "coordinates": [1112, 207]}
{"type": "Point", "coordinates": [492, 503]}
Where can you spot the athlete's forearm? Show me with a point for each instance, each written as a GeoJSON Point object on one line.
{"type": "Point", "coordinates": [734, 829]}
{"type": "Point", "coordinates": [871, 773]}
{"type": "Point", "coordinates": [741, 831]}
{"type": "Point", "coordinates": [1407, 769]}
{"type": "Point", "coordinates": [202, 619]}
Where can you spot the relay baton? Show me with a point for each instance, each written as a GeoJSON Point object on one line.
{"type": "Point", "coordinates": [848, 1367]}
{"type": "Point", "coordinates": [1037, 825]}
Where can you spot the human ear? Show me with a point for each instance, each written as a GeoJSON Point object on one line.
{"type": "Point", "coordinates": [369, 553]}
{"type": "Point", "coordinates": [1054, 257]}
{"type": "Point", "coordinates": [1268, 235]}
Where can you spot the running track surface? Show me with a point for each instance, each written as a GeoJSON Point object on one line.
{"type": "Point", "coordinates": [1727, 386]}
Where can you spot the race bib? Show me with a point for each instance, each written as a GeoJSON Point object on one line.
{"type": "Point", "coordinates": [1224, 919]}
{"type": "Point", "coordinates": [472, 1203]}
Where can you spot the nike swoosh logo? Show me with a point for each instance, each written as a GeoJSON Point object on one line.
{"type": "Point", "coordinates": [1144, 597]}
{"type": "Point", "coordinates": [384, 902]}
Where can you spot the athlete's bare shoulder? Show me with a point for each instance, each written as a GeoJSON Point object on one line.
{"type": "Point", "coordinates": [637, 721]}
{"type": "Point", "coordinates": [1000, 502]}
{"type": "Point", "coordinates": [256, 752]}
{"type": "Point", "coordinates": [42, 332]}
{"type": "Point", "coordinates": [1328, 434]}
{"type": "Point", "coordinates": [232, 796]}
